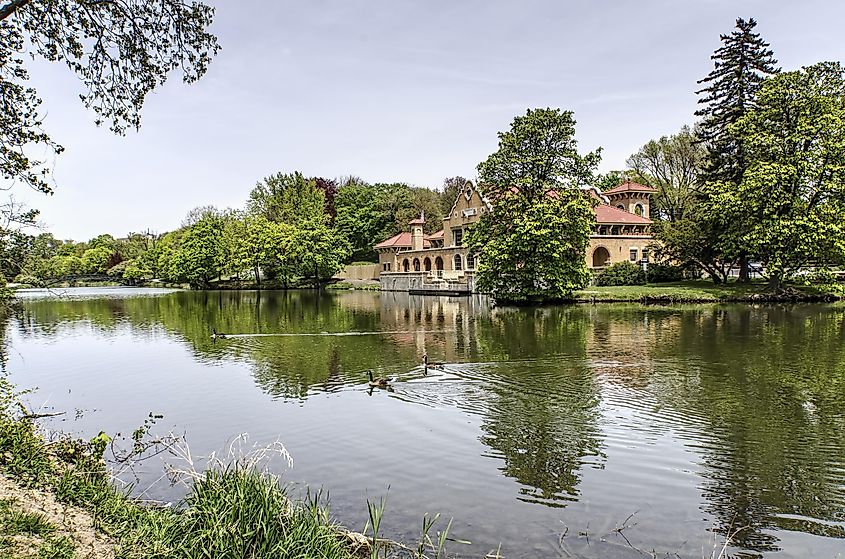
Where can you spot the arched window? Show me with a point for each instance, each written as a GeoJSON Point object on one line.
{"type": "Point", "coordinates": [639, 210]}
{"type": "Point", "coordinates": [427, 264]}
{"type": "Point", "coordinates": [416, 264]}
{"type": "Point", "coordinates": [406, 266]}
{"type": "Point", "coordinates": [458, 262]}
{"type": "Point", "coordinates": [438, 263]}
{"type": "Point", "coordinates": [621, 207]}
{"type": "Point", "coordinates": [470, 261]}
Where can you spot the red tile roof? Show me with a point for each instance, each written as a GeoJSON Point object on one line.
{"type": "Point", "coordinates": [402, 240]}
{"type": "Point", "coordinates": [611, 214]}
{"type": "Point", "coordinates": [629, 186]}
{"type": "Point", "coordinates": [435, 236]}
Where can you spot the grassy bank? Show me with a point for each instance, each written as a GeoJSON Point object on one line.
{"type": "Point", "coordinates": [58, 501]}
{"type": "Point", "coordinates": [706, 292]}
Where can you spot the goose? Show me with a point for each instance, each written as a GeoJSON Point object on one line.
{"type": "Point", "coordinates": [215, 335]}
{"type": "Point", "coordinates": [378, 382]}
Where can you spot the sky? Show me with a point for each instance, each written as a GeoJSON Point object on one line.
{"type": "Point", "coordinates": [395, 91]}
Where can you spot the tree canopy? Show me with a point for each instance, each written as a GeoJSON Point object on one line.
{"type": "Point", "coordinates": [531, 247]}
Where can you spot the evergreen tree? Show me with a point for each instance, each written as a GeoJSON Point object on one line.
{"type": "Point", "coordinates": [740, 65]}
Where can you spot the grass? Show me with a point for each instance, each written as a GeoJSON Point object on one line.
{"type": "Point", "coordinates": [233, 508]}
{"type": "Point", "coordinates": [30, 535]}
{"type": "Point", "coordinates": [700, 292]}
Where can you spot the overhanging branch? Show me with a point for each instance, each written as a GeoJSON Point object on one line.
{"type": "Point", "coordinates": [10, 8]}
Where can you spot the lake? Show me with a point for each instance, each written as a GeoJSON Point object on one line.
{"type": "Point", "coordinates": [572, 431]}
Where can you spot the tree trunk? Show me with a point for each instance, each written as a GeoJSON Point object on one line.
{"type": "Point", "coordinates": [743, 269]}
{"type": "Point", "coordinates": [257, 275]}
{"type": "Point", "coordinates": [775, 284]}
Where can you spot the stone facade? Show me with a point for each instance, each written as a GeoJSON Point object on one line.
{"type": "Point", "coordinates": [412, 261]}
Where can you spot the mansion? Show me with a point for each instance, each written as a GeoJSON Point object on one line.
{"type": "Point", "coordinates": [415, 262]}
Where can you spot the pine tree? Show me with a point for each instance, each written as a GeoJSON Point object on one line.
{"type": "Point", "coordinates": [741, 64]}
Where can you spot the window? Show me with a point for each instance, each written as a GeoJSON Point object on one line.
{"type": "Point", "coordinates": [416, 264]}
{"type": "Point", "coordinates": [470, 261]}
{"type": "Point", "coordinates": [458, 262]}
{"type": "Point", "coordinates": [639, 210]}
{"type": "Point", "coordinates": [645, 255]}
{"type": "Point", "coordinates": [406, 265]}
{"type": "Point", "coordinates": [633, 255]}
{"type": "Point", "coordinates": [459, 236]}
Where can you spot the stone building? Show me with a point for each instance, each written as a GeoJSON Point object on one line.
{"type": "Point", "coordinates": [413, 261]}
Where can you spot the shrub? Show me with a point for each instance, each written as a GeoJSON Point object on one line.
{"type": "Point", "coordinates": [660, 273]}
{"type": "Point", "coordinates": [621, 273]}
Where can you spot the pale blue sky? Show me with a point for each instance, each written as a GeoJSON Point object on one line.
{"type": "Point", "coordinates": [396, 90]}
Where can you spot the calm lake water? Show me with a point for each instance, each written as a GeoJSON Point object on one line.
{"type": "Point", "coordinates": [544, 431]}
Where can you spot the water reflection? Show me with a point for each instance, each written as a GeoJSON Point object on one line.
{"type": "Point", "coordinates": [566, 401]}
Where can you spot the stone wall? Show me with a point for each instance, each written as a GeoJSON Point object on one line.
{"type": "Point", "coordinates": [424, 282]}
{"type": "Point", "coordinates": [362, 272]}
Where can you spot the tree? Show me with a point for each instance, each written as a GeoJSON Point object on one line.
{"type": "Point", "coordinates": [287, 198]}
{"type": "Point", "coordinates": [532, 246]}
{"type": "Point", "coordinates": [96, 260]}
{"type": "Point", "coordinates": [740, 65]}
{"type": "Point", "coordinates": [120, 50]}
{"type": "Point", "coordinates": [698, 240]}
{"type": "Point", "coordinates": [425, 201]}
{"type": "Point", "coordinates": [610, 179]}
{"type": "Point", "coordinates": [673, 166]}
{"type": "Point", "coordinates": [451, 187]}
{"type": "Point", "coordinates": [359, 217]}
{"type": "Point", "coordinates": [200, 255]}
{"type": "Point", "coordinates": [318, 250]}
{"type": "Point", "coordinates": [259, 243]}
{"type": "Point", "coordinates": [792, 195]}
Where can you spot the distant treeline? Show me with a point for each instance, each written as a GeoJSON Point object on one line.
{"type": "Point", "coordinates": [291, 230]}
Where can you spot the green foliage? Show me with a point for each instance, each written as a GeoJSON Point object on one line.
{"type": "Point", "coordinates": [740, 66]}
{"type": "Point", "coordinates": [700, 240]}
{"type": "Point", "coordinates": [201, 254]}
{"type": "Point", "coordinates": [287, 198]}
{"type": "Point", "coordinates": [317, 251]}
{"type": "Point", "coordinates": [660, 272]}
{"type": "Point", "coordinates": [791, 199]}
{"type": "Point", "coordinates": [96, 260]}
{"type": "Point", "coordinates": [673, 166]}
{"type": "Point", "coordinates": [621, 273]}
{"type": "Point", "coordinates": [531, 247]}
{"type": "Point", "coordinates": [533, 252]}
{"type": "Point", "coordinates": [451, 187]}
{"type": "Point", "coordinates": [119, 56]}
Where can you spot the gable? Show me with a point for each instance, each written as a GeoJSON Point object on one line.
{"type": "Point", "coordinates": [468, 207]}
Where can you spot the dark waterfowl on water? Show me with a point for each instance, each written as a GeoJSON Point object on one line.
{"type": "Point", "coordinates": [216, 336]}
{"type": "Point", "coordinates": [380, 382]}
{"type": "Point", "coordinates": [433, 364]}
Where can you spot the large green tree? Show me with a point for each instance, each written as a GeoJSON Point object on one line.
{"type": "Point", "coordinates": [531, 246]}
{"type": "Point", "coordinates": [740, 66]}
{"type": "Point", "coordinates": [791, 198]}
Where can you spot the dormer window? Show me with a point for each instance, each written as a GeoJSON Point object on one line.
{"type": "Point", "coordinates": [468, 193]}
